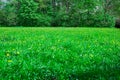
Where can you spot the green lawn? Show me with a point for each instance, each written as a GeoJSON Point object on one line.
{"type": "Point", "coordinates": [59, 54]}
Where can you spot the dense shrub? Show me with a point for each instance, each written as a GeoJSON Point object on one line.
{"type": "Point", "coordinates": [104, 21]}
{"type": "Point", "coordinates": [75, 13]}
{"type": "Point", "coordinates": [117, 24]}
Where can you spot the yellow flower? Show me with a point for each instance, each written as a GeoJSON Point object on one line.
{"type": "Point", "coordinates": [7, 54]}
{"type": "Point", "coordinates": [9, 61]}
{"type": "Point", "coordinates": [17, 52]}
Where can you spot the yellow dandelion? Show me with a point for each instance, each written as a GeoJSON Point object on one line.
{"type": "Point", "coordinates": [9, 61]}
{"type": "Point", "coordinates": [7, 54]}
{"type": "Point", "coordinates": [17, 52]}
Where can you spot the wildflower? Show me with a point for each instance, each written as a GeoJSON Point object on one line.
{"type": "Point", "coordinates": [7, 54]}
{"type": "Point", "coordinates": [9, 61]}
{"type": "Point", "coordinates": [18, 53]}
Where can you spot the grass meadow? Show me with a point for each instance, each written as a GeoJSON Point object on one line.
{"type": "Point", "coordinates": [59, 54]}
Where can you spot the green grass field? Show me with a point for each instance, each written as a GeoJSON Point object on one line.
{"type": "Point", "coordinates": [59, 54]}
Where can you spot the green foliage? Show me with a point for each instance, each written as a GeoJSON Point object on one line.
{"type": "Point", "coordinates": [27, 12]}
{"type": "Point", "coordinates": [29, 15]}
{"type": "Point", "coordinates": [78, 13]}
{"type": "Point", "coordinates": [59, 54]}
{"type": "Point", "coordinates": [8, 16]}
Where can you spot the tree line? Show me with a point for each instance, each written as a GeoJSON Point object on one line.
{"type": "Point", "coordinates": [68, 13]}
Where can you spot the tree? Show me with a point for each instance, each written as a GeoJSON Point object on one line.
{"type": "Point", "coordinates": [95, 13]}
{"type": "Point", "coordinates": [7, 14]}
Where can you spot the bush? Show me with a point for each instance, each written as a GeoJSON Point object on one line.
{"type": "Point", "coordinates": [104, 20]}
{"type": "Point", "coordinates": [43, 20]}
{"type": "Point", "coordinates": [117, 23]}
